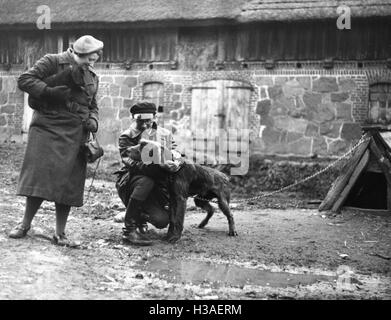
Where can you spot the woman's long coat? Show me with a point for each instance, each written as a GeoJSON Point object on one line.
{"type": "Point", "coordinates": [54, 166]}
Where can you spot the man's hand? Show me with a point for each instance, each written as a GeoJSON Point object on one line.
{"type": "Point", "coordinates": [59, 93]}
{"type": "Point", "coordinates": [92, 125]}
{"type": "Point", "coordinates": [134, 152]}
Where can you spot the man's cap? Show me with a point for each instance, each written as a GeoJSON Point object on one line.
{"type": "Point", "coordinates": [86, 45]}
{"type": "Point", "coordinates": [143, 110]}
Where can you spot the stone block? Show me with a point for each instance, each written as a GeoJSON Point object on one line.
{"type": "Point", "coordinates": [125, 123]}
{"type": "Point", "coordinates": [351, 131]}
{"type": "Point", "coordinates": [263, 107]}
{"type": "Point", "coordinates": [15, 97]}
{"type": "Point", "coordinates": [319, 146]}
{"type": "Point", "coordinates": [312, 100]}
{"type": "Point", "coordinates": [9, 108]}
{"type": "Point", "coordinates": [176, 97]}
{"type": "Point", "coordinates": [264, 81]}
{"type": "Point", "coordinates": [105, 102]}
{"type": "Point", "coordinates": [300, 113]}
{"type": "Point", "coordinates": [331, 129]}
{"type": "Point", "coordinates": [338, 147]}
{"type": "Point", "coordinates": [131, 82]}
{"type": "Point", "coordinates": [290, 124]}
{"type": "Point", "coordinates": [325, 113]}
{"type": "Point", "coordinates": [275, 92]}
{"type": "Point", "coordinates": [174, 114]}
{"type": "Point", "coordinates": [123, 113]}
{"type": "Point", "coordinates": [292, 88]}
{"type": "Point", "coordinates": [119, 80]}
{"type": "Point", "coordinates": [118, 102]}
{"type": "Point", "coordinates": [301, 147]}
{"type": "Point", "coordinates": [347, 84]}
{"type": "Point", "coordinates": [106, 79]}
{"type": "Point", "coordinates": [114, 90]}
{"type": "Point", "coordinates": [278, 109]}
{"type": "Point", "coordinates": [107, 113]}
{"type": "Point", "coordinates": [305, 82]}
{"type": "Point", "coordinates": [312, 130]}
{"type": "Point", "coordinates": [267, 121]}
{"type": "Point", "coordinates": [271, 136]}
{"type": "Point", "coordinates": [344, 111]}
{"type": "Point", "coordinates": [339, 96]}
{"type": "Point", "coordinates": [125, 91]}
{"type": "Point", "coordinates": [109, 132]}
{"type": "Point", "coordinates": [5, 133]}
{"type": "Point", "coordinates": [292, 136]}
{"type": "Point", "coordinates": [178, 88]}
{"type": "Point", "coordinates": [3, 120]}
{"type": "Point", "coordinates": [128, 103]}
{"type": "Point", "coordinates": [280, 80]}
{"type": "Point", "coordinates": [325, 84]}
{"type": "Point", "coordinates": [177, 105]}
{"type": "Point", "coordinates": [3, 97]}
{"type": "Point", "coordinates": [103, 90]}
{"type": "Point", "coordinates": [9, 84]}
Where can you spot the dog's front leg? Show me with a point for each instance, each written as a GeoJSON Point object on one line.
{"type": "Point", "coordinates": [177, 217]}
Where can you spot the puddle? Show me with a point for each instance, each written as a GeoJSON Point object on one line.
{"type": "Point", "coordinates": [198, 272]}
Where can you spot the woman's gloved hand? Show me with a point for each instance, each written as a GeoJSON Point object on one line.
{"type": "Point", "coordinates": [92, 125]}
{"type": "Point", "coordinates": [59, 93]}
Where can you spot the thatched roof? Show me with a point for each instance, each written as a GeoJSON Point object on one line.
{"type": "Point", "coordinates": [72, 13]}
{"type": "Point", "coordinates": [120, 11]}
{"type": "Point", "coordinates": [291, 10]}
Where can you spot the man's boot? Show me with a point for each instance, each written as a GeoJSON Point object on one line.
{"type": "Point", "coordinates": [142, 223]}
{"type": "Point", "coordinates": [130, 233]}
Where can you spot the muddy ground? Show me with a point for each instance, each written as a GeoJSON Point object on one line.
{"type": "Point", "coordinates": [285, 249]}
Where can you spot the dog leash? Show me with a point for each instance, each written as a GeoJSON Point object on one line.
{"type": "Point", "coordinates": [345, 156]}
{"type": "Point", "coordinates": [93, 178]}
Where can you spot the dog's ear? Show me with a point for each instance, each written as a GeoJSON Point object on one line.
{"type": "Point", "coordinates": [135, 152]}
{"type": "Point", "coordinates": [78, 75]}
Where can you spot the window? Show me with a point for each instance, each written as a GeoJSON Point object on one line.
{"type": "Point", "coordinates": [380, 103]}
{"type": "Point", "coordinates": [153, 92]}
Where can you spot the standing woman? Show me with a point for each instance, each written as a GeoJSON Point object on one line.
{"type": "Point", "coordinates": [54, 166]}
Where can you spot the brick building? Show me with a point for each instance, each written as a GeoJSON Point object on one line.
{"type": "Point", "coordinates": [281, 69]}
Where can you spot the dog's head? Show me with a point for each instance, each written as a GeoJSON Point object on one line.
{"type": "Point", "coordinates": [77, 75]}
{"type": "Point", "coordinates": [149, 151]}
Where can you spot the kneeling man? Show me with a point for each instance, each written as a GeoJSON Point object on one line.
{"type": "Point", "coordinates": [143, 187]}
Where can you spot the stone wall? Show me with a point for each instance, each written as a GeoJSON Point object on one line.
{"type": "Point", "coordinates": [303, 112]}
{"type": "Point", "coordinates": [293, 112]}
{"type": "Point", "coordinates": [11, 108]}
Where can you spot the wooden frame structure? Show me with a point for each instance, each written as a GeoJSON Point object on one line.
{"type": "Point", "coordinates": [373, 155]}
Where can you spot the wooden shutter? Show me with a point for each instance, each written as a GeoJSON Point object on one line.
{"type": "Point", "coordinates": [218, 105]}
{"type": "Point", "coordinates": [380, 103]}
{"type": "Point", "coordinates": [153, 92]}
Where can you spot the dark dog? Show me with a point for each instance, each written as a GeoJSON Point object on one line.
{"type": "Point", "coordinates": [206, 184]}
{"type": "Point", "coordinates": [191, 180]}
{"type": "Point", "coordinates": [71, 77]}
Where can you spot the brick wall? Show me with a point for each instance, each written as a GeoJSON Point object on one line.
{"type": "Point", "coordinates": [302, 112]}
